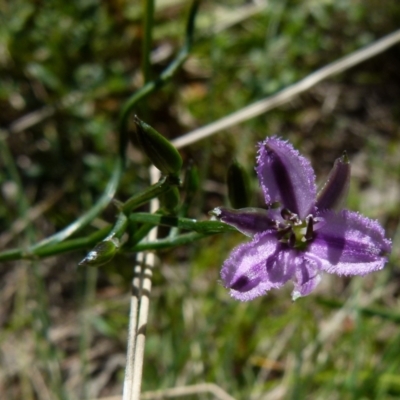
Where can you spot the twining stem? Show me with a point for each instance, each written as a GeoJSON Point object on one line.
{"type": "Point", "coordinates": [164, 77]}
{"type": "Point", "coordinates": [119, 227]}
{"type": "Point", "coordinates": [138, 235]}
{"type": "Point", "coordinates": [206, 227]}
{"type": "Point", "coordinates": [162, 186]}
{"type": "Point", "coordinates": [35, 251]}
{"type": "Point", "coordinates": [53, 244]}
{"type": "Point", "coordinates": [89, 215]}
{"type": "Point", "coordinates": [178, 240]}
{"type": "Point", "coordinates": [200, 230]}
{"type": "Point", "coordinates": [56, 244]}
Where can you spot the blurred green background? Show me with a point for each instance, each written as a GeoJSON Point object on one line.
{"type": "Point", "coordinates": [65, 70]}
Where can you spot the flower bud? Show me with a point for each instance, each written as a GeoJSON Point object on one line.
{"type": "Point", "coordinates": [102, 253]}
{"type": "Point", "coordinates": [238, 186]}
{"type": "Point", "coordinates": [160, 151]}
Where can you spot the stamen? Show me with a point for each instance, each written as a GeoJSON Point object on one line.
{"type": "Point", "coordinates": [286, 214]}
{"type": "Point", "coordinates": [310, 229]}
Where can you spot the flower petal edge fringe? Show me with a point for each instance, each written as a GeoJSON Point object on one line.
{"type": "Point", "coordinates": [300, 234]}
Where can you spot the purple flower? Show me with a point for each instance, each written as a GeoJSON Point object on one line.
{"type": "Point", "coordinates": [300, 234]}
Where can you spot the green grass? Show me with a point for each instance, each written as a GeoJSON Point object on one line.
{"type": "Point", "coordinates": [62, 329]}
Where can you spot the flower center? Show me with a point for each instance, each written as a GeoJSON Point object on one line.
{"type": "Point", "coordinates": [295, 232]}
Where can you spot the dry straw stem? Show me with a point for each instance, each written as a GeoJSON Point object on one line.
{"type": "Point", "coordinates": [211, 388]}
{"type": "Point", "coordinates": [287, 94]}
{"type": "Point", "coordinates": [177, 392]}
{"type": "Point", "coordinates": [140, 301]}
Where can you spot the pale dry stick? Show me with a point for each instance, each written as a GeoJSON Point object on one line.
{"type": "Point", "coordinates": [141, 325]}
{"type": "Point", "coordinates": [211, 388]}
{"type": "Point", "coordinates": [139, 312]}
{"type": "Point", "coordinates": [201, 388]}
{"type": "Point", "coordinates": [287, 94]}
{"type": "Point", "coordinates": [134, 309]}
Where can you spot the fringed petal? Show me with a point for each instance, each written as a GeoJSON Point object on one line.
{"type": "Point", "coordinates": [245, 271]}
{"type": "Point", "coordinates": [348, 243]}
{"type": "Point", "coordinates": [249, 221]}
{"type": "Point", "coordinates": [286, 177]}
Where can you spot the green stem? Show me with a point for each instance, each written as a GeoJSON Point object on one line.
{"type": "Point", "coordinates": [119, 227]}
{"type": "Point", "coordinates": [161, 80]}
{"type": "Point", "coordinates": [139, 234]}
{"type": "Point", "coordinates": [201, 230]}
{"type": "Point", "coordinates": [35, 251]}
{"type": "Point", "coordinates": [54, 244]}
{"type": "Point", "coordinates": [91, 214]}
{"type": "Point", "coordinates": [203, 227]}
{"type": "Point", "coordinates": [162, 186]}
{"type": "Point", "coordinates": [48, 246]}
{"type": "Point", "coordinates": [170, 242]}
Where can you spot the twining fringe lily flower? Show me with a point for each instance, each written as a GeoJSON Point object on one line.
{"type": "Point", "coordinates": [300, 234]}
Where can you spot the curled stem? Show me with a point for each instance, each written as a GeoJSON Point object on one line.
{"type": "Point", "coordinates": [35, 251]}
{"type": "Point", "coordinates": [179, 240]}
{"type": "Point", "coordinates": [89, 215]}
{"type": "Point", "coordinates": [203, 227]}
{"type": "Point", "coordinates": [164, 77]}
{"type": "Point", "coordinates": [162, 186]}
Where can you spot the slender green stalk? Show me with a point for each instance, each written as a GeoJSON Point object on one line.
{"type": "Point", "coordinates": [91, 214]}
{"type": "Point", "coordinates": [119, 227]}
{"type": "Point", "coordinates": [201, 229]}
{"type": "Point", "coordinates": [179, 240]}
{"type": "Point", "coordinates": [47, 247]}
{"type": "Point", "coordinates": [54, 244]}
{"type": "Point", "coordinates": [148, 20]}
{"type": "Point", "coordinates": [162, 186]}
{"type": "Point", "coordinates": [204, 227]}
{"type": "Point", "coordinates": [36, 251]}
{"type": "Point", "coordinates": [164, 77]}
{"type": "Point", "coordinates": [138, 235]}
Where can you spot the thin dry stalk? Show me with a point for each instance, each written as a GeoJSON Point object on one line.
{"type": "Point", "coordinates": [133, 316]}
{"type": "Point", "coordinates": [202, 388]}
{"type": "Point", "coordinates": [287, 94]}
{"type": "Point", "coordinates": [211, 388]}
{"type": "Point", "coordinates": [140, 302]}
